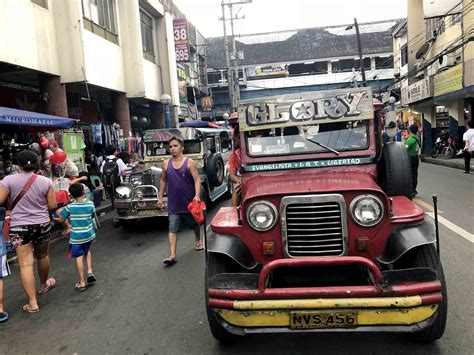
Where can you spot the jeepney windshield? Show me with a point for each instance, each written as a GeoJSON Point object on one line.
{"type": "Point", "coordinates": [328, 137]}
{"type": "Point", "coordinates": [161, 148]}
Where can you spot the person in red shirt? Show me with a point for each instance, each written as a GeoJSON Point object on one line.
{"type": "Point", "coordinates": [235, 164]}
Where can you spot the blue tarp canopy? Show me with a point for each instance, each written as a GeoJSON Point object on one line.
{"type": "Point", "coordinates": [30, 120]}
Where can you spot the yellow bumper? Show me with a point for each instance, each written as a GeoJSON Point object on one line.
{"type": "Point", "coordinates": [368, 311]}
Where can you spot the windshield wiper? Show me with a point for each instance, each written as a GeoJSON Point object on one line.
{"type": "Point", "coordinates": [323, 146]}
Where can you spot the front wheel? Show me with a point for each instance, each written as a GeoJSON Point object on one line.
{"type": "Point", "coordinates": [216, 265]}
{"type": "Point", "coordinates": [426, 256]}
{"type": "Point", "coordinates": [435, 152]}
{"type": "Point", "coordinates": [447, 152]}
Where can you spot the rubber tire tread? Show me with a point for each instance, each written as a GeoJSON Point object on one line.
{"type": "Point", "coordinates": [426, 256]}
{"type": "Point", "coordinates": [211, 169]}
{"type": "Point", "coordinates": [216, 264]}
{"type": "Point", "coordinates": [396, 170]}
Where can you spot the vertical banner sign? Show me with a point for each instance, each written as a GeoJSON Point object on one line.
{"type": "Point", "coordinates": [183, 92]}
{"type": "Point", "coordinates": [181, 40]}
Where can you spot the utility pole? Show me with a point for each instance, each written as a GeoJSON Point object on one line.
{"type": "Point", "coordinates": [230, 83]}
{"type": "Point", "coordinates": [359, 47]}
{"type": "Point", "coordinates": [232, 70]}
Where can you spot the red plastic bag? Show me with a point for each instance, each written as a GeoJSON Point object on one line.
{"type": "Point", "coordinates": [197, 210]}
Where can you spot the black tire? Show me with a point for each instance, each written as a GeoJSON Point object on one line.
{"type": "Point", "coordinates": [426, 256]}
{"type": "Point", "coordinates": [395, 170]}
{"type": "Point", "coordinates": [216, 264]}
{"type": "Point", "coordinates": [435, 152]}
{"type": "Point", "coordinates": [447, 152]}
{"type": "Point", "coordinates": [215, 170]}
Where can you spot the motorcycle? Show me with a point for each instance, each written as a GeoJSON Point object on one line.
{"type": "Point", "coordinates": [438, 147]}
{"type": "Point", "coordinates": [451, 148]}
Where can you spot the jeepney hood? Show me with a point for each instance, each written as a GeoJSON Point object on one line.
{"type": "Point", "coordinates": [307, 181]}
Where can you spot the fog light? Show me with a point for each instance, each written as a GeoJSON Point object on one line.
{"type": "Point", "coordinates": [362, 243]}
{"type": "Point", "coordinates": [268, 248]}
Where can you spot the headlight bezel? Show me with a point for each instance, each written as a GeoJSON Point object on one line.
{"type": "Point", "coordinates": [273, 209]}
{"type": "Point", "coordinates": [123, 195]}
{"type": "Point", "coordinates": [354, 205]}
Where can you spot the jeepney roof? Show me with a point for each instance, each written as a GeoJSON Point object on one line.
{"type": "Point", "coordinates": [187, 133]}
{"type": "Point", "coordinates": [306, 108]}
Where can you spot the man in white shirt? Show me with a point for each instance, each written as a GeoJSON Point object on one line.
{"type": "Point", "coordinates": [468, 138]}
{"type": "Point", "coordinates": [110, 152]}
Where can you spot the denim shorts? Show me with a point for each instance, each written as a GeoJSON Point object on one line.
{"type": "Point", "coordinates": [77, 250]}
{"type": "Point", "coordinates": [178, 221]}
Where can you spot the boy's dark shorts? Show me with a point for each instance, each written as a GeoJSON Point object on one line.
{"type": "Point", "coordinates": [77, 250]}
{"type": "Point", "coordinates": [179, 221]}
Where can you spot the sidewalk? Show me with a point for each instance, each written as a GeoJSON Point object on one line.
{"type": "Point", "coordinates": [106, 206]}
{"type": "Point", "coordinates": [456, 163]}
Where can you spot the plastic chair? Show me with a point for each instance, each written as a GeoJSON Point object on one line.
{"type": "Point", "coordinates": [96, 181]}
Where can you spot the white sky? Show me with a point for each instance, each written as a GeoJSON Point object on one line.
{"type": "Point", "coordinates": [277, 15]}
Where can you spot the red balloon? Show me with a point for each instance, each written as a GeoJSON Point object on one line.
{"type": "Point", "coordinates": [44, 142]}
{"type": "Point", "coordinates": [58, 157]}
{"type": "Point", "coordinates": [53, 143]}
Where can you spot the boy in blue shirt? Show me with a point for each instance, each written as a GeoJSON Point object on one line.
{"type": "Point", "coordinates": [80, 214]}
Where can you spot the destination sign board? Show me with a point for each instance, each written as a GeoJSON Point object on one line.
{"type": "Point", "coordinates": [306, 109]}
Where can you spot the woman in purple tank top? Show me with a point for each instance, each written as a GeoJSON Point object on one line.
{"type": "Point", "coordinates": [182, 178]}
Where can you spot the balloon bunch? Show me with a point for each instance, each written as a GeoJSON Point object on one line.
{"type": "Point", "coordinates": [52, 151]}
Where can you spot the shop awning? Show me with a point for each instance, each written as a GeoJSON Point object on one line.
{"type": "Point", "coordinates": [33, 120]}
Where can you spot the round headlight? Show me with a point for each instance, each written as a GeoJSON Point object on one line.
{"type": "Point", "coordinates": [123, 192]}
{"type": "Point", "coordinates": [367, 210]}
{"type": "Point", "coordinates": [136, 180]}
{"type": "Point", "coordinates": [262, 215]}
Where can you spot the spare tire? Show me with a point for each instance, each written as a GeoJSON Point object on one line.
{"type": "Point", "coordinates": [394, 170]}
{"type": "Point", "coordinates": [215, 169]}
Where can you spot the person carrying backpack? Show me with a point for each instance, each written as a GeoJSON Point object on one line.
{"type": "Point", "coordinates": [113, 170]}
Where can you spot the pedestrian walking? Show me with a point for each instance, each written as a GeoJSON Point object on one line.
{"type": "Point", "coordinates": [413, 145]}
{"type": "Point", "coordinates": [181, 177]}
{"type": "Point", "coordinates": [468, 138]}
{"type": "Point", "coordinates": [30, 224]}
{"type": "Point", "coordinates": [113, 170]}
{"type": "Point", "coordinates": [80, 214]}
{"type": "Point", "coordinates": [4, 268]}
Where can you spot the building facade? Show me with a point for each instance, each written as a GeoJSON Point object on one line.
{"type": "Point", "coordinates": [434, 66]}
{"type": "Point", "coordinates": [303, 60]}
{"type": "Point", "coordinates": [93, 60]}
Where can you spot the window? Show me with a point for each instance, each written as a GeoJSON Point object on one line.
{"type": "Point", "coordinates": [214, 77]}
{"type": "Point", "coordinates": [42, 3]}
{"type": "Point", "coordinates": [404, 55]}
{"type": "Point", "coordinates": [100, 18]}
{"type": "Point", "coordinates": [384, 62]}
{"type": "Point", "coordinates": [146, 25]}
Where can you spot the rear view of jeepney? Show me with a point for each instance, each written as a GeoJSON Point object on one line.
{"type": "Point", "coordinates": [326, 237]}
{"type": "Point", "coordinates": [209, 147]}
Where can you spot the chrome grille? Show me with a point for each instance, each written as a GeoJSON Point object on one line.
{"type": "Point", "coordinates": [314, 225]}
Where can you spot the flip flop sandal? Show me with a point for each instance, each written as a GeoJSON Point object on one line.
{"type": "Point", "coordinates": [50, 283]}
{"type": "Point", "coordinates": [91, 278]}
{"type": "Point", "coordinates": [3, 317]}
{"type": "Point", "coordinates": [80, 288]}
{"type": "Point", "coordinates": [169, 261]}
{"type": "Point", "coordinates": [27, 309]}
{"type": "Point", "coordinates": [199, 247]}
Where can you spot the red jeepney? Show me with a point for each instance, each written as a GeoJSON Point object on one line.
{"type": "Point", "coordinates": [326, 237]}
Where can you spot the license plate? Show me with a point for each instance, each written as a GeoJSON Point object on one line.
{"type": "Point", "coordinates": [322, 319]}
{"type": "Point", "coordinates": [148, 212]}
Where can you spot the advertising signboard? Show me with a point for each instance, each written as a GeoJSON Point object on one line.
{"type": "Point", "coordinates": [269, 70]}
{"type": "Point", "coordinates": [448, 81]}
{"type": "Point", "coordinates": [181, 40]}
{"type": "Point", "coordinates": [418, 91]}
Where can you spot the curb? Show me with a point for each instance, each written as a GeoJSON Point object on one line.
{"type": "Point", "coordinates": [455, 163]}
{"type": "Point", "coordinates": [56, 233]}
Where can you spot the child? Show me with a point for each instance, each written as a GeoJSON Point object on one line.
{"type": "Point", "coordinates": [4, 269]}
{"type": "Point", "coordinates": [80, 214]}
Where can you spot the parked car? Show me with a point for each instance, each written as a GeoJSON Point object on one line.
{"type": "Point", "coordinates": [326, 237]}
{"type": "Point", "coordinates": [208, 147]}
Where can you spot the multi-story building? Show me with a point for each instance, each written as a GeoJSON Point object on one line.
{"type": "Point", "coordinates": [110, 60]}
{"type": "Point", "coordinates": [434, 66]}
{"type": "Point", "coordinates": [303, 60]}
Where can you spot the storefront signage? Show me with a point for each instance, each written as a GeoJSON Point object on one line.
{"type": "Point", "coordinates": [448, 81]}
{"type": "Point", "coordinates": [206, 102]}
{"type": "Point", "coordinates": [307, 109]}
{"type": "Point", "coordinates": [181, 40]}
{"type": "Point", "coordinates": [269, 70]}
{"type": "Point", "coordinates": [418, 91]}
{"type": "Point", "coordinates": [309, 164]}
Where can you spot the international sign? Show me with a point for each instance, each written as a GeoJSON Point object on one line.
{"type": "Point", "coordinates": [306, 109]}
{"type": "Point", "coordinates": [448, 81]}
{"type": "Point", "coordinates": [181, 40]}
{"type": "Point", "coordinates": [418, 91]}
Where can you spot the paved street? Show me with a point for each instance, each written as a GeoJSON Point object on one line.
{"type": "Point", "coordinates": [138, 306]}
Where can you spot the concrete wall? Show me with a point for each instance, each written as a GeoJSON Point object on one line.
{"type": "Point", "coordinates": [415, 29]}
{"type": "Point", "coordinates": [28, 36]}
{"type": "Point", "coordinates": [152, 80]}
{"type": "Point", "coordinates": [469, 50]}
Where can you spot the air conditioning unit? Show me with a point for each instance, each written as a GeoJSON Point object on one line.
{"type": "Point", "coordinates": [446, 61]}
{"type": "Point", "coordinates": [432, 36]}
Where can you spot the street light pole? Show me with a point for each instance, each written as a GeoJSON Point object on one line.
{"type": "Point", "coordinates": [359, 46]}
